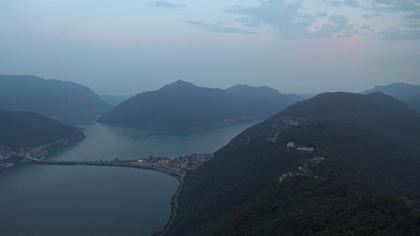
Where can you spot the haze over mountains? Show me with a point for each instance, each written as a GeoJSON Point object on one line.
{"type": "Point", "coordinates": [320, 167]}
{"type": "Point", "coordinates": [407, 93]}
{"type": "Point", "coordinates": [182, 105]}
{"type": "Point", "coordinates": [292, 118]}
{"type": "Point", "coordinates": [336, 164]}
{"type": "Point", "coordinates": [178, 105]}
{"type": "Point", "coordinates": [64, 101]}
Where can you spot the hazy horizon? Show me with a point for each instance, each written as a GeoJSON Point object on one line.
{"type": "Point", "coordinates": [127, 47]}
{"type": "Point", "coordinates": [336, 152]}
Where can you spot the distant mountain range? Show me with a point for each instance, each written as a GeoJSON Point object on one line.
{"type": "Point", "coordinates": [183, 105]}
{"type": "Point", "coordinates": [63, 101]}
{"type": "Point", "coordinates": [114, 100]}
{"type": "Point", "coordinates": [336, 164]}
{"type": "Point", "coordinates": [407, 93]}
{"type": "Point", "coordinates": [27, 130]}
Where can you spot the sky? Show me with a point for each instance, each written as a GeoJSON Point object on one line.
{"type": "Point", "coordinates": [296, 46]}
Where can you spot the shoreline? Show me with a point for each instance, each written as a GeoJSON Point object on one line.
{"type": "Point", "coordinates": [174, 208]}
{"type": "Point", "coordinates": [41, 152]}
{"type": "Point", "coordinates": [39, 156]}
{"type": "Point", "coordinates": [174, 198]}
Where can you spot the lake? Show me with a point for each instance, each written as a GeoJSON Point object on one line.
{"type": "Point", "coordinates": [82, 200]}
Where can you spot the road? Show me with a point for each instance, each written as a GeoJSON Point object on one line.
{"type": "Point", "coordinates": [100, 163]}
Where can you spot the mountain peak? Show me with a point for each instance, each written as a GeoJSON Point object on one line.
{"type": "Point", "coordinates": [373, 112]}
{"type": "Point", "coordinates": [171, 106]}
{"type": "Point", "coordinates": [179, 84]}
{"type": "Point", "coordinates": [249, 87]}
{"type": "Point", "coordinates": [182, 82]}
{"type": "Point", "coordinates": [397, 84]}
{"type": "Point", "coordinates": [357, 140]}
{"type": "Point", "coordinates": [407, 93]}
{"type": "Point", "coordinates": [395, 88]}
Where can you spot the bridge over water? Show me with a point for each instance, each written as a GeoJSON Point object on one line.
{"type": "Point", "coordinates": [102, 163]}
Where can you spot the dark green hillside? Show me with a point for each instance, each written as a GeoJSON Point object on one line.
{"type": "Point", "coordinates": [64, 101]}
{"type": "Point", "coordinates": [237, 172]}
{"type": "Point", "coordinates": [307, 206]}
{"type": "Point", "coordinates": [25, 129]}
{"type": "Point", "coordinates": [183, 105]}
{"type": "Point", "coordinates": [351, 166]}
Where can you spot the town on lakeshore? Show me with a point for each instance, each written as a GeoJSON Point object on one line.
{"type": "Point", "coordinates": [177, 167]}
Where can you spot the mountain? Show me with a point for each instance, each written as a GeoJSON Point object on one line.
{"type": "Point", "coordinates": [320, 167]}
{"type": "Point", "coordinates": [407, 93]}
{"type": "Point", "coordinates": [20, 129]}
{"type": "Point", "coordinates": [371, 112]}
{"type": "Point", "coordinates": [183, 105]}
{"type": "Point", "coordinates": [114, 100]}
{"type": "Point", "coordinates": [261, 93]}
{"type": "Point", "coordinates": [63, 101]}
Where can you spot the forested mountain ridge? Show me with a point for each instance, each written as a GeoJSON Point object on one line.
{"type": "Point", "coordinates": [182, 105]}
{"type": "Point", "coordinates": [376, 112]}
{"type": "Point", "coordinates": [320, 167]}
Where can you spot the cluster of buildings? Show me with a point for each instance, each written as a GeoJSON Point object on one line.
{"type": "Point", "coordinates": [6, 152]}
{"type": "Point", "coordinates": [286, 122]}
{"type": "Point", "coordinates": [304, 170]}
{"type": "Point", "coordinates": [9, 157]}
{"type": "Point", "coordinates": [300, 148]}
{"type": "Point", "coordinates": [179, 166]}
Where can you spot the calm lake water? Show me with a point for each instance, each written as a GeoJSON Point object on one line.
{"type": "Point", "coordinates": [64, 200]}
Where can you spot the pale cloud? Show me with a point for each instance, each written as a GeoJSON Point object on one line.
{"type": "Point", "coordinates": [167, 5]}
{"type": "Point", "coordinates": [284, 17]}
{"type": "Point", "coordinates": [335, 26]}
{"type": "Point", "coordinates": [289, 20]}
{"type": "Point", "coordinates": [409, 9]}
{"type": "Point", "coordinates": [296, 46]}
{"type": "Point", "coordinates": [340, 3]}
{"type": "Point", "coordinates": [394, 5]}
{"type": "Point", "coordinates": [219, 28]}
{"type": "Point", "coordinates": [403, 32]}
{"type": "Point", "coordinates": [366, 29]}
